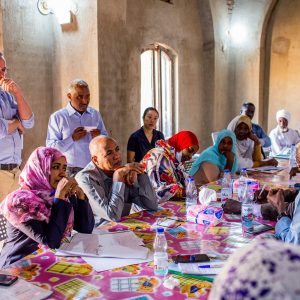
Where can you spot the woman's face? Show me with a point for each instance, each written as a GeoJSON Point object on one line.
{"type": "Point", "coordinates": [187, 153]}
{"type": "Point", "coordinates": [58, 171]}
{"type": "Point", "coordinates": [150, 119]}
{"type": "Point", "coordinates": [225, 144]}
{"type": "Point", "coordinates": [283, 123]}
{"type": "Point", "coordinates": [242, 131]}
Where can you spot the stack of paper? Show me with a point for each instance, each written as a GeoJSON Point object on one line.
{"type": "Point", "coordinates": [124, 244]}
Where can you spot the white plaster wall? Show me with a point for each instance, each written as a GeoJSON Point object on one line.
{"type": "Point", "coordinates": [237, 67]}
{"type": "Point", "coordinates": [285, 63]}
{"type": "Point", "coordinates": [27, 42]}
{"type": "Point", "coordinates": [125, 28]}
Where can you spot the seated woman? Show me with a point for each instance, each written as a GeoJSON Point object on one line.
{"type": "Point", "coordinates": [144, 139]}
{"type": "Point", "coordinates": [283, 137]}
{"type": "Point", "coordinates": [248, 145]}
{"type": "Point", "coordinates": [164, 167]}
{"type": "Point", "coordinates": [215, 159]}
{"type": "Point", "coordinates": [264, 269]}
{"type": "Point", "coordinates": [45, 208]}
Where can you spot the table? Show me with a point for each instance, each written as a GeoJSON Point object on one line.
{"type": "Point", "coordinates": [72, 278]}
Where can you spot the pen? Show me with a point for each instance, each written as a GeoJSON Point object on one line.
{"type": "Point", "coordinates": [264, 186]}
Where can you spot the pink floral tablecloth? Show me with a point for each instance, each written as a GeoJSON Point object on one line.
{"type": "Point", "coordinates": [73, 278]}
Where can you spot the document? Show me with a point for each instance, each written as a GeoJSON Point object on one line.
{"type": "Point", "coordinates": [266, 169]}
{"type": "Point", "coordinates": [205, 268]}
{"type": "Point", "coordinates": [104, 264]}
{"type": "Point", "coordinates": [23, 290]}
{"type": "Point", "coordinates": [123, 244]}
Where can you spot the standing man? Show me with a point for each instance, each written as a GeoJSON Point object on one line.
{"type": "Point", "coordinates": [15, 116]}
{"type": "Point", "coordinates": [71, 129]}
{"type": "Point", "coordinates": [248, 109]}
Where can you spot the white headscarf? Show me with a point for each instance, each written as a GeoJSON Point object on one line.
{"type": "Point", "coordinates": [266, 269]}
{"type": "Point", "coordinates": [282, 113]}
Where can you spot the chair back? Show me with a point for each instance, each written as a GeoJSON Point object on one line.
{"type": "Point", "coordinates": [3, 234]}
{"type": "Point", "coordinates": [214, 136]}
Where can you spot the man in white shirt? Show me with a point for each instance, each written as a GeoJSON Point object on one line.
{"type": "Point", "coordinates": [71, 129]}
{"type": "Point", "coordinates": [282, 137]}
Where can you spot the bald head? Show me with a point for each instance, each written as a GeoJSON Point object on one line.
{"type": "Point", "coordinates": [105, 153]}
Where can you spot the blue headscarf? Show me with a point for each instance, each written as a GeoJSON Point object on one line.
{"type": "Point", "coordinates": [213, 156]}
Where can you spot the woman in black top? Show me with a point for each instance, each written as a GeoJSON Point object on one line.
{"type": "Point", "coordinates": [141, 141]}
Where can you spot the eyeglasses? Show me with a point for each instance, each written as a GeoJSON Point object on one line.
{"type": "Point", "coordinates": [4, 69]}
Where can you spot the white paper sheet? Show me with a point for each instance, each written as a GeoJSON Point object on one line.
{"type": "Point", "coordinates": [124, 244]}
{"type": "Point", "coordinates": [103, 264]}
{"type": "Point", "coordinates": [205, 268]}
{"type": "Point", "coordinates": [23, 290]}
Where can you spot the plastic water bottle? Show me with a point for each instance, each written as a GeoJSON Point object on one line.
{"type": "Point", "coordinates": [160, 253]}
{"type": "Point", "coordinates": [242, 188]}
{"type": "Point", "coordinates": [292, 163]}
{"type": "Point", "coordinates": [191, 194]}
{"type": "Point", "coordinates": [226, 191]}
{"type": "Point", "coordinates": [247, 210]}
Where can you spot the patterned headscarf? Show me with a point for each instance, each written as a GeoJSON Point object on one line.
{"type": "Point", "coordinates": [213, 155]}
{"type": "Point", "coordinates": [265, 269]}
{"type": "Point", "coordinates": [34, 199]}
{"type": "Point", "coordinates": [182, 140]}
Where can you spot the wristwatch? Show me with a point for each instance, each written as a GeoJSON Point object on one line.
{"type": "Point", "coordinates": [281, 215]}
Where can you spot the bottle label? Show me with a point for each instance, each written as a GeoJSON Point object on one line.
{"type": "Point", "coordinates": [226, 193]}
{"type": "Point", "coordinates": [247, 218]}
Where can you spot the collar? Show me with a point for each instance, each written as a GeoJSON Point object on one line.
{"type": "Point", "coordinates": [71, 110]}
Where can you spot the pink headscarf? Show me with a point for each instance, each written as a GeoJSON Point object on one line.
{"type": "Point", "coordinates": [34, 199]}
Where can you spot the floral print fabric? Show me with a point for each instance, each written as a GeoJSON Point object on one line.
{"type": "Point", "coordinates": [166, 174]}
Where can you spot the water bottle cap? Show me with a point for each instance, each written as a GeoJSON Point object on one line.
{"type": "Point", "coordinates": [160, 230]}
{"type": "Point", "coordinates": [293, 145]}
{"type": "Point", "coordinates": [226, 171]}
{"type": "Point", "coordinates": [243, 169]}
{"type": "Point", "coordinates": [190, 178]}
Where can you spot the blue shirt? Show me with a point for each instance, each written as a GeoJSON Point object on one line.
{"type": "Point", "coordinates": [11, 144]}
{"type": "Point", "coordinates": [289, 230]}
{"type": "Point", "coordinates": [259, 132]}
{"type": "Point", "coordinates": [139, 143]}
{"type": "Point", "coordinates": [61, 126]}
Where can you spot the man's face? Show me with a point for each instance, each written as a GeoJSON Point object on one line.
{"type": "Point", "coordinates": [108, 157]}
{"type": "Point", "coordinates": [283, 123]}
{"type": "Point", "coordinates": [80, 98]}
{"type": "Point", "coordinates": [3, 68]}
{"type": "Point", "coordinates": [249, 111]}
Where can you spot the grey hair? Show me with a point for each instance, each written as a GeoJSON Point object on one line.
{"type": "Point", "coordinates": [77, 83]}
{"type": "Point", "coordinates": [96, 141]}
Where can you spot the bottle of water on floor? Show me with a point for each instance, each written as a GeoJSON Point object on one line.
{"type": "Point", "coordinates": [247, 210]}
{"type": "Point", "coordinates": [226, 191]}
{"type": "Point", "coordinates": [191, 194]}
{"type": "Point", "coordinates": [160, 253]}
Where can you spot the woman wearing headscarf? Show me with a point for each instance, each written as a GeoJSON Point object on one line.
{"type": "Point", "coordinates": [45, 209]}
{"type": "Point", "coordinates": [215, 159]}
{"type": "Point", "coordinates": [282, 137]}
{"type": "Point", "coordinates": [164, 167]}
{"type": "Point", "coordinates": [265, 269]}
{"type": "Point", "coordinates": [248, 145]}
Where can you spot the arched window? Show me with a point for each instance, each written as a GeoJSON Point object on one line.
{"type": "Point", "coordinates": [158, 85]}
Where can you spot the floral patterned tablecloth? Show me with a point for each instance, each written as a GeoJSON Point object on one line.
{"type": "Point", "coordinates": [73, 278]}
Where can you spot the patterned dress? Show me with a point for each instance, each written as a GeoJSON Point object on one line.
{"type": "Point", "coordinates": [166, 173]}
